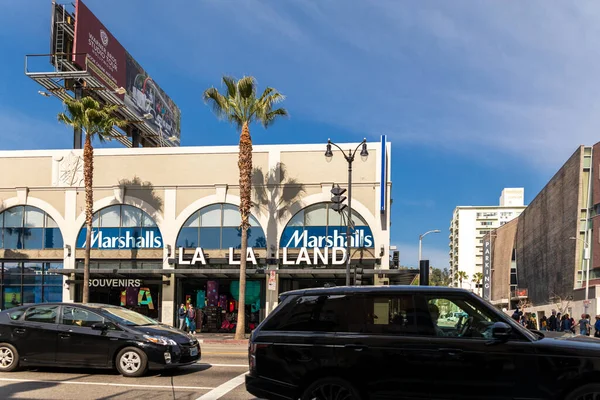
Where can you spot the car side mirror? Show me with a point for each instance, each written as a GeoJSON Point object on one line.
{"type": "Point", "coordinates": [501, 331]}
{"type": "Point", "coordinates": [100, 326]}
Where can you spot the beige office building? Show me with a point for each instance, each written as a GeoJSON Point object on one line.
{"type": "Point", "coordinates": [166, 226]}
{"type": "Point", "coordinates": [468, 226]}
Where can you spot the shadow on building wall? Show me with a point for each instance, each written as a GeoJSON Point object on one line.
{"type": "Point", "coordinates": [274, 193]}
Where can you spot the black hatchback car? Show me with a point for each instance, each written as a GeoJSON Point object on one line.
{"type": "Point", "coordinates": [91, 335]}
{"type": "Point", "coordinates": [411, 342]}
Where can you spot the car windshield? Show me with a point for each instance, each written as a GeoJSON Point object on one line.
{"type": "Point", "coordinates": [129, 318]}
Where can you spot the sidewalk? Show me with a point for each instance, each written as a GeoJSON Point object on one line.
{"type": "Point", "coordinates": [221, 338]}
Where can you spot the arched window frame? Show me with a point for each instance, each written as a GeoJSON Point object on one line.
{"type": "Point", "coordinates": [119, 218]}
{"type": "Point", "coordinates": [216, 227]}
{"type": "Point", "coordinates": [25, 227]}
{"type": "Point", "coordinates": [323, 219]}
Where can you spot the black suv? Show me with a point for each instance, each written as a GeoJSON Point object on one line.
{"type": "Point", "coordinates": [406, 342]}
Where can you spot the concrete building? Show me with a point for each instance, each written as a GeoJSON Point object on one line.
{"type": "Point", "coordinates": [166, 226]}
{"type": "Point", "coordinates": [539, 260]}
{"type": "Point", "coordinates": [468, 226]}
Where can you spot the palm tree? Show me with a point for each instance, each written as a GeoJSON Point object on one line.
{"type": "Point", "coordinates": [461, 276]}
{"type": "Point", "coordinates": [240, 106]}
{"type": "Point", "coordinates": [477, 278]}
{"type": "Point", "coordinates": [98, 121]}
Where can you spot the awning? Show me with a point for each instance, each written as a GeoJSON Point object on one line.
{"type": "Point", "coordinates": [395, 276]}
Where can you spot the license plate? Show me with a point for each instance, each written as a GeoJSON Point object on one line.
{"type": "Point", "coordinates": [193, 352]}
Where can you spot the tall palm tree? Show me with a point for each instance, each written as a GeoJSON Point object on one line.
{"type": "Point", "coordinates": [477, 278]}
{"type": "Point", "coordinates": [240, 106]}
{"type": "Point", "coordinates": [96, 121]}
{"type": "Point", "coordinates": [461, 276]}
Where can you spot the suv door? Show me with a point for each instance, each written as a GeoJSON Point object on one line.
{"type": "Point", "coordinates": [299, 342]}
{"type": "Point", "coordinates": [35, 334]}
{"type": "Point", "coordinates": [78, 343]}
{"type": "Point", "coordinates": [471, 364]}
{"type": "Point", "coordinates": [382, 348]}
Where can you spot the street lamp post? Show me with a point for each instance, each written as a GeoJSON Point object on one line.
{"type": "Point", "coordinates": [421, 240]}
{"type": "Point", "coordinates": [586, 257]}
{"type": "Point", "coordinates": [350, 159]}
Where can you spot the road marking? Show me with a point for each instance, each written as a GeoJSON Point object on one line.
{"type": "Point", "coordinates": [225, 365]}
{"type": "Point", "coordinates": [221, 353]}
{"type": "Point", "coordinates": [225, 388]}
{"type": "Point", "coordinates": [108, 384]}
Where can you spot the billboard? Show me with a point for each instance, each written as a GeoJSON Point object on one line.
{"type": "Point", "coordinates": [100, 53]}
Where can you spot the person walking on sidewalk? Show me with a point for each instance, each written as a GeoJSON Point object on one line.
{"type": "Point", "coordinates": [597, 327]}
{"type": "Point", "coordinates": [584, 325]}
{"type": "Point", "coordinates": [191, 317]}
{"type": "Point", "coordinates": [182, 314]}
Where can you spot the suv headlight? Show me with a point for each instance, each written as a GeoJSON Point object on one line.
{"type": "Point", "coordinates": [160, 340]}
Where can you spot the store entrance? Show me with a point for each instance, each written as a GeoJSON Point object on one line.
{"type": "Point", "coordinates": [217, 299]}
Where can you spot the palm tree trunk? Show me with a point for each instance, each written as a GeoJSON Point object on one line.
{"type": "Point", "coordinates": [88, 175]}
{"type": "Point", "coordinates": [245, 166]}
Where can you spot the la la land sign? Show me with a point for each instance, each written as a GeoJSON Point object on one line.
{"type": "Point", "coordinates": [313, 256]}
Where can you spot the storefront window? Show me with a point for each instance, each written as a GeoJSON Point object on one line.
{"type": "Point", "coordinates": [122, 227]}
{"type": "Point", "coordinates": [29, 283]}
{"type": "Point", "coordinates": [321, 226]}
{"type": "Point", "coordinates": [217, 227]}
{"type": "Point", "coordinates": [26, 228]}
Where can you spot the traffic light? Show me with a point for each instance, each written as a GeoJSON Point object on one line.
{"type": "Point", "coordinates": [396, 259]}
{"type": "Point", "coordinates": [358, 275]}
{"type": "Point", "coordinates": [337, 198]}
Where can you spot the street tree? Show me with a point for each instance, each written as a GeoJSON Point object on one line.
{"type": "Point", "coordinates": [477, 279]}
{"type": "Point", "coordinates": [461, 276]}
{"type": "Point", "coordinates": [96, 121]}
{"type": "Point", "coordinates": [241, 106]}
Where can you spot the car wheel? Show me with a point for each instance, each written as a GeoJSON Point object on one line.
{"type": "Point", "coordinates": [9, 358]}
{"type": "Point", "coordinates": [331, 389]}
{"type": "Point", "coordinates": [586, 392]}
{"type": "Point", "coordinates": [132, 362]}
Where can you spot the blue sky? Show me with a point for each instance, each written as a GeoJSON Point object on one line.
{"type": "Point", "coordinates": [474, 95]}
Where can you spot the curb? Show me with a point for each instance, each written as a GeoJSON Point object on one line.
{"type": "Point", "coordinates": [226, 341]}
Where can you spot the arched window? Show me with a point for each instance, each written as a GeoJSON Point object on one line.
{"type": "Point", "coordinates": [320, 226]}
{"type": "Point", "coordinates": [26, 227]}
{"type": "Point", "coordinates": [122, 227]}
{"type": "Point", "coordinates": [218, 227]}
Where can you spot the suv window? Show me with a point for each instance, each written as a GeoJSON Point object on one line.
{"type": "Point", "coordinates": [323, 313]}
{"type": "Point", "coordinates": [79, 317]}
{"type": "Point", "coordinates": [385, 314]}
{"type": "Point", "coordinates": [459, 317]}
{"type": "Point", "coordinates": [45, 314]}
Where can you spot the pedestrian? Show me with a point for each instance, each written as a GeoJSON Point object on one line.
{"type": "Point", "coordinates": [566, 323]}
{"type": "Point", "coordinates": [589, 324]}
{"type": "Point", "coordinates": [544, 323]}
{"type": "Point", "coordinates": [583, 325]}
{"type": "Point", "coordinates": [572, 325]}
{"type": "Point", "coordinates": [597, 327]}
{"type": "Point", "coordinates": [552, 322]}
{"type": "Point", "coordinates": [560, 318]}
{"type": "Point", "coordinates": [191, 317]}
{"type": "Point", "coordinates": [516, 315]}
{"type": "Point", "coordinates": [182, 313]}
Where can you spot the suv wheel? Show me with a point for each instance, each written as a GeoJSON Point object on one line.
{"type": "Point", "coordinates": [586, 392]}
{"type": "Point", "coordinates": [331, 389]}
{"type": "Point", "coordinates": [132, 362]}
{"type": "Point", "coordinates": [9, 358]}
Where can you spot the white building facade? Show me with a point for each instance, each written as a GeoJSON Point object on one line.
{"type": "Point", "coordinates": [468, 226]}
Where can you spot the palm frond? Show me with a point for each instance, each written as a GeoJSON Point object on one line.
{"type": "Point", "coordinates": [247, 87]}
{"type": "Point", "coordinates": [231, 86]}
{"type": "Point", "coordinates": [270, 117]}
{"type": "Point", "coordinates": [219, 103]}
